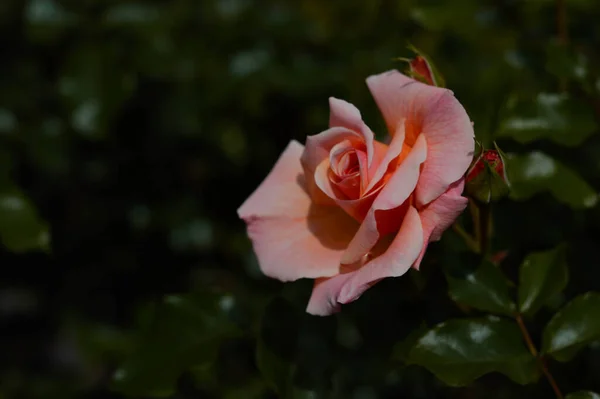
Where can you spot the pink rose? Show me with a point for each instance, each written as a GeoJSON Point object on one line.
{"type": "Point", "coordinates": [347, 210]}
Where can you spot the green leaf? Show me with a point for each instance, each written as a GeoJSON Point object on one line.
{"type": "Point", "coordinates": [485, 288]}
{"type": "Point", "coordinates": [583, 395]}
{"type": "Point", "coordinates": [21, 229]}
{"type": "Point", "coordinates": [542, 275]}
{"type": "Point", "coordinates": [460, 351]}
{"type": "Point", "coordinates": [277, 344]}
{"type": "Point", "coordinates": [574, 326]}
{"type": "Point", "coordinates": [184, 331]}
{"type": "Point", "coordinates": [563, 62]}
{"type": "Point", "coordinates": [403, 348]}
{"type": "Point", "coordinates": [556, 117]}
{"type": "Point", "coordinates": [536, 172]}
{"type": "Point", "coordinates": [277, 372]}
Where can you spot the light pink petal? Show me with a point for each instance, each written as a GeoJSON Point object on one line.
{"type": "Point", "coordinates": [344, 114]}
{"type": "Point", "coordinates": [435, 113]}
{"type": "Point", "coordinates": [324, 298]}
{"type": "Point", "coordinates": [329, 293]}
{"type": "Point", "coordinates": [282, 191]}
{"type": "Point", "coordinates": [439, 215]}
{"type": "Point", "coordinates": [292, 237]}
{"type": "Point", "coordinates": [387, 210]}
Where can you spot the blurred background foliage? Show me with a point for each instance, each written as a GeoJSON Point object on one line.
{"type": "Point", "coordinates": [132, 130]}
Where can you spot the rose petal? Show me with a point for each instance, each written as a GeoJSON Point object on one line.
{"type": "Point", "coordinates": [435, 113]}
{"type": "Point", "coordinates": [439, 215]}
{"type": "Point", "coordinates": [357, 208]}
{"type": "Point", "coordinates": [344, 114]}
{"type": "Point", "coordinates": [386, 212]}
{"type": "Point", "coordinates": [317, 150]}
{"type": "Point", "coordinates": [329, 293]}
{"type": "Point", "coordinates": [292, 237]}
{"type": "Point", "coordinates": [393, 151]}
{"type": "Point", "coordinates": [281, 192]}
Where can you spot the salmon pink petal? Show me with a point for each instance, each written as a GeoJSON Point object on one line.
{"type": "Point", "coordinates": [435, 113]}
{"type": "Point", "coordinates": [385, 215]}
{"type": "Point", "coordinates": [344, 114]}
{"type": "Point", "coordinates": [329, 293]}
{"type": "Point", "coordinates": [439, 215]}
{"type": "Point", "coordinates": [292, 237]}
{"type": "Point", "coordinates": [392, 153]}
{"type": "Point", "coordinates": [357, 208]}
{"type": "Point", "coordinates": [317, 150]}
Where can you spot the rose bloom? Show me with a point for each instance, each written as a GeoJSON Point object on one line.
{"type": "Point", "coordinates": [347, 210]}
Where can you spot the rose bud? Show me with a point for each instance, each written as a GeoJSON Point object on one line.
{"type": "Point", "coordinates": [486, 179]}
{"type": "Point", "coordinates": [421, 68]}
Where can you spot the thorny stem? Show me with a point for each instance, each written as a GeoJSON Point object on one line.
{"type": "Point", "coordinates": [482, 220]}
{"type": "Point", "coordinates": [475, 218]}
{"type": "Point", "coordinates": [561, 21]}
{"type": "Point", "coordinates": [471, 243]}
{"type": "Point", "coordinates": [562, 30]}
{"type": "Point", "coordinates": [484, 227]}
{"type": "Point", "coordinates": [540, 359]}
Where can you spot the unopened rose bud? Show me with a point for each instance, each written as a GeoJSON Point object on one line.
{"type": "Point", "coordinates": [486, 179]}
{"type": "Point", "coordinates": [421, 70]}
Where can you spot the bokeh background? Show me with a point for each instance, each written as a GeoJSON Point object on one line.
{"type": "Point", "coordinates": [132, 130]}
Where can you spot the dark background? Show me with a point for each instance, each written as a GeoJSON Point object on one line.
{"type": "Point", "coordinates": [131, 132]}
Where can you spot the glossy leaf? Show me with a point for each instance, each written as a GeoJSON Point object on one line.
{"type": "Point", "coordinates": [21, 228]}
{"type": "Point", "coordinates": [556, 117]}
{"type": "Point", "coordinates": [563, 62]}
{"type": "Point", "coordinates": [536, 172]}
{"type": "Point", "coordinates": [573, 327]}
{"type": "Point", "coordinates": [460, 351]}
{"type": "Point", "coordinates": [542, 275]}
{"type": "Point", "coordinates": [183, 331]}
{"type": "Point", "coordinates": [485, 288]}
{"type": "Point", "coordinates": [583, 395]}
{"type": "Point", "coordinates": [277, 345]}
{"type": "Point", "coordinates": [275, 370]}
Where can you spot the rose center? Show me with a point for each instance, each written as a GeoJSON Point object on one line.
{"type": "Point", "coordinates": [346, 166]}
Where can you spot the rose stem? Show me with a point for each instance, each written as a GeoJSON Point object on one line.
{"type": "Point", "coordinates": [483, 227]}
{"type": "Point", "coordinates": [563, 33]}
{"type": "Point", "coordinates": [561, 21]}
{"type": "Point", "coordinates": [469, 241]}
{"type": "Point", "coordinates": [539, 358]}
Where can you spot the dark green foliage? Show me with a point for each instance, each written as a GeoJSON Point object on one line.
{"type": "Point", "coordinates": [459, 351]}
{"type": "Point", "coordinates": [573, 327]}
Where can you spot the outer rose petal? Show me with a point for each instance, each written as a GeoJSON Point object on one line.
{"type": "Point", "coordinates": [329, 293]}
{"type": "Point", "coordinates": [386, 212]}
{"type": "Point", "coordinates": [437, 216]}
{"type": "Point", "coordinates": [292, 237]}
{"type": "Point", "coordinates": [435, 113]}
